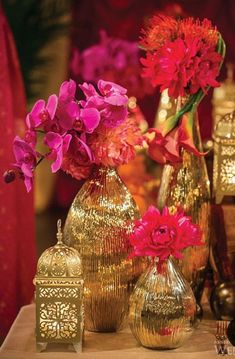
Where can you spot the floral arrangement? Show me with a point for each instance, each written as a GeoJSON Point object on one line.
{"type": "Point", "coordinates": [183, 56]}
{"type": "Point", "coordinates": [163, 234]}
{"type": "Point", "coordinates": [77, 135]}
{"type": "Point", "coordinates": [112, 59]}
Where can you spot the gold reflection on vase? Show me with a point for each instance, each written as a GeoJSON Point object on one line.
{"type": "Point", "coordinates": [186, 185]}
{"type": "Point", "coordinates": [162, 308]}
{"type": "Point", "coordinates": [97, 225]}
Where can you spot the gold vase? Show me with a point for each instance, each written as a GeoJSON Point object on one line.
{"type": "Point", "coordinates": [162, 308]}
{"type": "Point", "coordinates": [97, 225]}
{"type": "Point", "coordinates": [186, 184]}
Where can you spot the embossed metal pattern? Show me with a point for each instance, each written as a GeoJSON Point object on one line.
{"type": "Point", "coordinates": [187, 185]}
{"type": "Point", "coordinates": [162, 308]}
{"type": "Point", "coordinates": [97, 226]}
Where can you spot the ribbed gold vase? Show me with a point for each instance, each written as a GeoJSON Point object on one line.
{"type": "Point", "coordinates": [162, 308]}
{"type": "Point", "coordinates": [97, 225]}
{"type": "Point", "coordinates": [186, 185]}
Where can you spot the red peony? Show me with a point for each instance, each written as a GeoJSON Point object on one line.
{"type": "Point", "coordinates": [183, 67]}
{"type": "Point", "coordinates": [184, 57]}
{"type": "Point", "coordinates": [163, 235]}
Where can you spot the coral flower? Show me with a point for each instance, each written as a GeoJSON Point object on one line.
{"type": "Point", "coordinates": [160, 30]}
{"type": "Point", "coordinates": [115, 146]}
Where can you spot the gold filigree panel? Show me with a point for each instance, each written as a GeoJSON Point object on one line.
{"type": "Point", "coordinates": [59, 320]}
{"type": "Point", "coordinates": [227, 176]}
{"type": "Point", "coordinates": [51, 292]}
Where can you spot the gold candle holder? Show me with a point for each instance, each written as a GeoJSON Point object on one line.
{"type": "Point", "coordinates": [224, 158]}
{"type": "Point", "coordinates": [59, 294]}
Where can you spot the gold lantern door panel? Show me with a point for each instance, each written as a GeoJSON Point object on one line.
{"type": "Point", "coordinates": [59, 314]}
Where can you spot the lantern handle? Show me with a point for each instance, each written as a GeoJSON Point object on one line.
{"type": "Point", "coordinates": [59, 232]}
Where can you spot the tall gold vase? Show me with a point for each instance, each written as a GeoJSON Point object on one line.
{"type": "Point", "coordinates": [97, 225]}
{"type": "Point", "coordinates": [187, 185]}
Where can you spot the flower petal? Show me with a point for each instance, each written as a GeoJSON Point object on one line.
{"type": "Point", "coordinates": [91, 118]}
{"type": "Point", "coordinates": [52, 105]}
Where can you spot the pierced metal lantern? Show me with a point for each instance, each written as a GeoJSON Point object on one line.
{"type": "Point", "coordinates": [59, 294]}
{"type": "Point", "coordinates": [224, 158]}
{"type": "Point", "coordinates": [224, 97]}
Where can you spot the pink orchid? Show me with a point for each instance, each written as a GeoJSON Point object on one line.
{"type": "Point", "coordinates": [78, 134]}
{"type": "Point", "coordinates": [90, 119]}
{"type": "Point", "coordinates": [111, 102]}
{"type": "Point", "coordinates": [112, 59]}
{"type": "Point", "coordinates": [88, 90]}
{"type": "Point", "coordinates": [67, 91]}
{"type": "Point", "coordinates": [68, 110]}
{"type": "Point", "coordinates": [42, 112]}
{"type": "Point", "coordinates": [59, 146]}
{"type": "Point", "coordinates": [26, 160]}
{"type": "Point", "coordinates": [113, 94]}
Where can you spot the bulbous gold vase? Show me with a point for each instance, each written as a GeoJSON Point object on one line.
{"type": "Point", "coordinates": [162, 308]}
{"type": "Point", "coordinates": [97, 226]}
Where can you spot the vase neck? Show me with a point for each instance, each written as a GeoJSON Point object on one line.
{"type": "Point", "coordinates": [101, 171]}
{"type": "Point", "coordinates": [163, 267]}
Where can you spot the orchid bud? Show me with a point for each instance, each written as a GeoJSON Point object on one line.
{"type": "Point", "coordinates": [9, 176]}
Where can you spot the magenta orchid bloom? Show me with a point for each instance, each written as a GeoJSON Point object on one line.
{"type": "Point", "coordinates": [78, 135]}
{"type": "Point", "coordinates": [26, 160]}
{"type": "Point", "coordinates": [111, 102]}
{"type": "Point", "coordinates": [68, 110]}
{"type": "Point", "coordinates": [67, 91]}
{"type": "Point", "coordinates": [59, 146]}
{"type": "Point", "coordinates": [90, 118]}
{"type": "Point", "coordinates": [113, 94]}
{"type": "Point", "coordinates": [42, 112]}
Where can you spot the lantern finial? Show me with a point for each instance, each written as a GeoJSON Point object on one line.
{"type": "Point", "coordinates": [59, 232]}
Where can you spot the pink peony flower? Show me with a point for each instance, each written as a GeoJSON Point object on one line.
{"type": "Point", "coordinates": [26, 160]}
{"type": "Point", "coordinates": [163, 235]}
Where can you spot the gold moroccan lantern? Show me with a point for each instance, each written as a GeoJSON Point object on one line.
{"type": "Point", "coordinates": [59, 294]}
{"type": "Point", "coordinates": [224, 97]}
{"type": "Point", "coordinates": [224, 158]}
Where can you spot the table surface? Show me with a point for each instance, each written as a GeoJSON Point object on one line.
{"type": "Point", "coordinates": [20, 343]}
